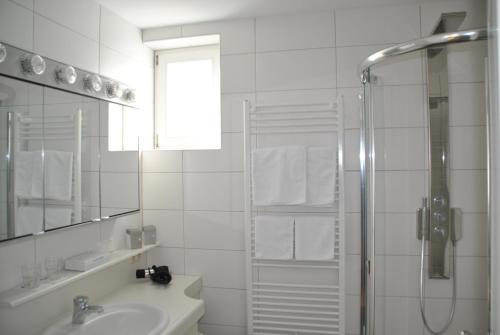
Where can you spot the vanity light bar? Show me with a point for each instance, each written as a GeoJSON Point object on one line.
{"type": "Point", "coordinates": [27, 66]}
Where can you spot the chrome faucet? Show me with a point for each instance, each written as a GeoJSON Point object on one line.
{"type": "Point", "coordinates": [81, 309]}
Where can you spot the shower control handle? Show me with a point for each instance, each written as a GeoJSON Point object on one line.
{"type": "Point", "coordinates": [423, 220]}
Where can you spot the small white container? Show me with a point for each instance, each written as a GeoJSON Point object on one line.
{"type": "Point", "coordinates": [134, 240]}
{"type": "Point", "coordinates": [149, 234]}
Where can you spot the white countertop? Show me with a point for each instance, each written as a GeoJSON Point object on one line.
{"type": "Point", "coordinates": [176, 299]}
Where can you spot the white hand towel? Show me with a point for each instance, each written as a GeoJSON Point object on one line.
{"type": "Point", "coordinates": [321, 171]}
{"type": "Point", "coordinates": [57, 217]}
{"type": "Point", "coordinates": [274, 237]}
{"type": "Point", "coordinates": [58, 175]}
{"type": "Point", "coordinates": [29, 220]}
{"type": "Point", "coordinates": [279, 176]}
{"type": "Point", "coordinates": [23, 173]}
{"type": "Point", "coordinates": [314, 238]}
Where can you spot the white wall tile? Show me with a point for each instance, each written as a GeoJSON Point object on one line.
{"type": "Point", "coordinates": [399, 191]}
{"type": "Point", "coordinates": [161, 33]}
{"type": "Point", "coordinates": [236, 36]}
{"type": "Point", "coordinates": [400, 316]}
{"type": "Point", "coordinates": [302, 69]}
{"type": "Point", "coordinates": [64, 45]}
{"type": "Point", "coordinates": [352, 314]}
{"type": "Point", "coordinates": [224, 306]}
{"type": "Point", "coordinates": [296, 97]}
{"type": "Point", "coordinates": [161, 161]}
{"type": "Point", "coordinates": [232, 111]}
{"type": "Point", "coordinates": [237, 73]}
{"type": "Point", "coordinates": [207, 191]}
{"type": "Point", "coordinates": [80, 16]}
{"type": "Point", "coordinates": [468, 147]}
{"type": "Point", "coordinates": [120, 35]}
{"type": "Point", "coordinates": [208, 329]}
{"type": "Point", "coordinates": [12, 17]}
{"type": "Point", "coordinates": [377, 25]}
{"type": "Point", "coordinates": [171, 257]}
{"type": "Point", "coordinates": [162, 190]}
{"type": "Point", "coordinates": [212, 266]}
{"type": "Point", "coordinates": [12, 256]}
{"type": "Point", "coordinates": [467, 104]}
{"type": "Point", "coordinates": [210, 160]}
{"type": "Point", "coordinates": [352, 191]}
{"type": "Point", "coordinates": [214, 230]}
{"type": "Point", "coordinates": [468, 191]}
{"type": "Point", "coordinates": [351, 150]}
{"type": "Point", "coordinates": [169, 226]}
{"type": "Point", "coordinates": [470, 315]}
{"type": "Point", "coordinates": [351, 98]}
{"type": "Point", "coordinates": [288, 32]}
{"type": "Point", "coordinates": [400, 149]}
{"type": "Point", "coordinates": [352, 233]}
{"type": "Point", "coordinates": [25, 3]}
{"type": "Point", "coordinates": [474, 233]}
{"type": "Point", "coordinates": [431, 14]}
{"type": "Point", "coordinates": [399, 106]}
{"type": "Point", "coordinates": [466, 62]}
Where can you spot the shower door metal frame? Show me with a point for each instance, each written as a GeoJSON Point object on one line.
{"type": "Point", "coordinates": [367, 159]}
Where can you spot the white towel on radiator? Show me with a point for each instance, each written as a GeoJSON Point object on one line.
{"type": "Point", "coordinates": [29, 220]}
{"type": "Point", "coordinates": [314, 237]}
{"type": "Point", "coordinates": [58, 175]}
{"type": "Point", "coordinates": [28, 174]}
{"type": "Point", "coordinates": [279, 176]}
{"type": "Point", "coordinates": [321, 172]}
{"type": "Point", "coordinates": [274, 237]}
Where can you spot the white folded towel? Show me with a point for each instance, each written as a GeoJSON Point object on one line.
{"type": "Point", "coordinates": [314, 237]}
{"type": "Point", "coordinates": [279, 176]}
{"type": "Point", "coordinates": [29, 220]}
{"type": "Point", "coordinates": [57, 217]}
{"type": "Point", "coordinates": [23, 171]}
{"type": "Point", "coordinates": [274, 237]}
{"type": "Point", "coordinates": [58, 175]}
{"type": "Point", "coordinates": [321, 171]}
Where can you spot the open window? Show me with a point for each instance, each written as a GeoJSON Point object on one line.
{"type": "Point", "coordinates": [187, 98]}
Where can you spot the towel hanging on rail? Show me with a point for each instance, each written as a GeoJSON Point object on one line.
{"type": "Point", "coordinates": [279, 176]}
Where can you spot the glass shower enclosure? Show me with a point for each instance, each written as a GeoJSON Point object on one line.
{"type": "Point", "coordinates": [424, 222]}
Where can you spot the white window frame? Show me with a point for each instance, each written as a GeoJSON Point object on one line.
{"type": "Point", "coordinates": [162, 58]}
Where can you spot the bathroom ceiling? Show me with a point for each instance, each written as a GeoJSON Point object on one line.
{"type": "Point", "coordinates": [155, 13]}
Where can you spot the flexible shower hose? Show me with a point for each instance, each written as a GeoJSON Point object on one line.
{"type": "Point", "coordinates": [422, 290]}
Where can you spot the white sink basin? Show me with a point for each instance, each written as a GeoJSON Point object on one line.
{"type": "Point", "coordinates": [122, 319]}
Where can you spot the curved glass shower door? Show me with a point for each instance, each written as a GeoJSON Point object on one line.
{"type": "Point", "coordinates": [426, 147]}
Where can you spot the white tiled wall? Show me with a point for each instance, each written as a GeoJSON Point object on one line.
{"type": "Point", "coordinates": [314, 57]}
{"type": "Point", "coordinates": [86, 35]}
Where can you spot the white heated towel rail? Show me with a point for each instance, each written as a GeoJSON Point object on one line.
{"type": "Point", "coordinates": [291, 296]}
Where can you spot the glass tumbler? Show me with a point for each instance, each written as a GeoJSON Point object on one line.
{"type": "Point", "coordinates": [31, 274]}
{"type": "Point", "coordinates": [52, 267]}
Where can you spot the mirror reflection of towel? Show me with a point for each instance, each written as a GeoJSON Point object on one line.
{"type": "Point", "coordinates": [58, 174]}
{"type": "Point", "coordinates": [29, 220]}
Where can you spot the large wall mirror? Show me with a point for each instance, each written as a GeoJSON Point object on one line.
{"type": "Point", "coordinates": [66, 159]}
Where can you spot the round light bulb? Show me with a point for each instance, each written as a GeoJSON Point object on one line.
{"type": "Point", "coordinates": [93, 83]}
{"type": "Point", "coordinates": [3, 52]}
{"type": "Point", "coordinates": [129, 95]}
{"type": "Point", "coordinates": [114, 90]}
{"type": "Point", "coordinates": [33, 64]}
{"type": "Point", "coordinates": [66, 74]}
